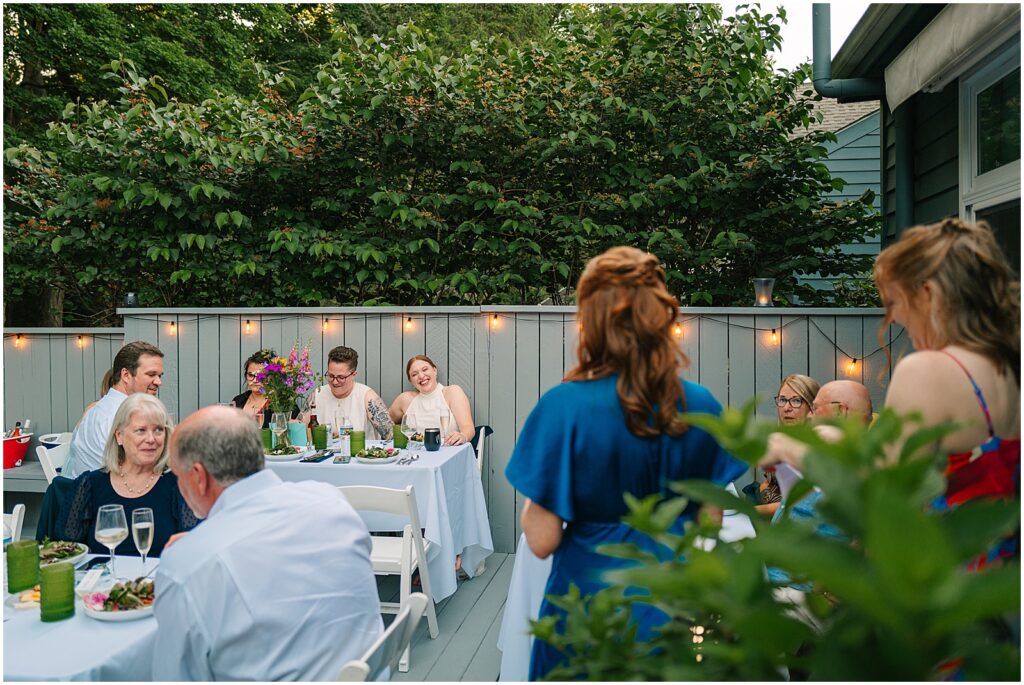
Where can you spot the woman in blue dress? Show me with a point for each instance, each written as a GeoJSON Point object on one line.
{"type": "Point", "coordinates": [612, 427]}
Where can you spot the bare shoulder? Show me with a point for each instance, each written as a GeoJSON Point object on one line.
{"type": "Point", "coordinates": [452, 391]}
{"type": "Point", "coordinates": [404, 399]}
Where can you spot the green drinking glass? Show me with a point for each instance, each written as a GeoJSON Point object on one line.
{"type": "Point", "coordinates": [22, 565]}
{"type": "Point", "coordinates": [399, 437]}
{"type": "Point", "coordinates": [358, 442]}
{"type": "Point", "coordinates": [319, 436]}
{"type": "Point", "coordinates": [268, 439]}
{"type": "Point", "coordinates": [56, 592]}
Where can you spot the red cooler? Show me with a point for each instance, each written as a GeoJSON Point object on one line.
{"type": "Point", "coordinates": [15, 450]}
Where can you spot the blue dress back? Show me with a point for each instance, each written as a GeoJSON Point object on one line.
{"type": "Point", "coordinates": [576, 458]}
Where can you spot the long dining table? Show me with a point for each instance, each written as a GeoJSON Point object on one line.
{"type": "Point", "coordinates": [80, 647]}
{"type": "Point", "coordinates": [449, 499]}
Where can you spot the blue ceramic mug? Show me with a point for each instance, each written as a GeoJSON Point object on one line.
{"type": "Point", "coordinates": [297, 434]}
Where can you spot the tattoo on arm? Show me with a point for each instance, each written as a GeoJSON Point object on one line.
{"type": "Point", "coordinates": [378, 415]}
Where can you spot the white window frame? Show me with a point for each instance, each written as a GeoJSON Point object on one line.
{"type": "Point", "coordinates": [999, 185]}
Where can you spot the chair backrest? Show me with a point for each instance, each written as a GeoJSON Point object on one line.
{"type": "Point", "coordinates": [14, 521]}
{"type": "Point", "coordinates": [386, 501]}
{"type": "Point", "coordinates": [479, 443]}
{"type": "Point", "coordinates": [52, 459]}
{"type": "Point", "coordinates": [386, 651]}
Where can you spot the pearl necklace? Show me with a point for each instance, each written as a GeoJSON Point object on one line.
{"type": "Point", "coordinates": [130, 489]}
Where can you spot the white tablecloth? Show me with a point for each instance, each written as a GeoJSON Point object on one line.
{"type": "Point", "coordinates": [526, 591]}
{"type": "Point", "coordinates": [449, 496]}
{"type": "Point", "coordinates": [79, 648]}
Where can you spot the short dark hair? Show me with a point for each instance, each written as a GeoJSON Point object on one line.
{"type": "Point", "coordinates": [128, 357]}
{"type": "Point", "coordinates": [344, 355]}
{"type": "Point", "coordinates": [229, 450]}
{"type": "Point", "coordinates": [259, 357]}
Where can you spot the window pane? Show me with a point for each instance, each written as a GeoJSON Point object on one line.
{"type": "Point", "coordinates": [999, 123]}
{"type": "Point", "coordinates": [1005, 222]}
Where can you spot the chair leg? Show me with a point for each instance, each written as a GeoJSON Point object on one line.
{"type": "Point", "coordinates": [431, 611]}
{"type": "Point", "coordinates": [404, 590]}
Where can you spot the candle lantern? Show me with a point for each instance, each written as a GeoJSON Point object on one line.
{"type": "Point", "coordinates": [763, 291]}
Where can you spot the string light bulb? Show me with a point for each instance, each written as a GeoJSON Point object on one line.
{"type": "Point", "coordinates": [851, 368]}
{"type": "Point", "coordinates": [774, 337]}
{"type": "Point", "coordinates": [17, 340]}
{"type": "Point", "coordinates": [81, 342]}
{"type": "Point", "coordinates": [174, 328]}
{"type": "Point", "coordinates": [494, 321]}
{"type": "Point", "coordinates": [325, 325]}
{"type": "Point", "coordinates": [677, 330]}
{"type": "Point", "coordinates": [248, 326]}
{"type": "Point", "coordinates": [408, 323]}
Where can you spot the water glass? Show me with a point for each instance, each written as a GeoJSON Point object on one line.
{"type": "Point", "coordinates": [22, 565]}
{"type": "Point", "coordinates": [56, 592]}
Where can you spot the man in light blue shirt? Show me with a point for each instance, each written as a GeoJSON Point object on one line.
{"type": "Point", "coordinates": [276, 583]}
{"type": "Point", "coordinates": [137, 367]}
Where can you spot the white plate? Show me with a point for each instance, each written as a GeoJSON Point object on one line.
{"type": "Point", "coordinates": [13, 599]}
{"type": "Point", "coordinates": [116, 616]}
{"type": "Point", "coordinates": [388, 460]}
{"type": "Point", "coordinates": [71, 560]}
{"type": "Point", "coordinates": [286, 457]}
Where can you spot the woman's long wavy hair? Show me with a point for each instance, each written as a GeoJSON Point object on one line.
{"type": "Point", "coordinates": [978, 299]}
{"type": "Point", "coordinates": [626, 312]}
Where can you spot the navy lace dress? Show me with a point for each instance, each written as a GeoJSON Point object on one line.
{"type": "Point", "coordinates": [93, 489]}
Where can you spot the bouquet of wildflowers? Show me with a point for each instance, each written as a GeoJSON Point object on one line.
{"type": "Point", "coordinates": [285, 379]}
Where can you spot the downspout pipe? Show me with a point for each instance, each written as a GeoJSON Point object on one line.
{"type": "Point", "coordinates": [847, 89]}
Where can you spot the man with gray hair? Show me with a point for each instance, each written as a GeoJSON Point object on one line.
{"type": "Point", "coordinates": [276, 583]}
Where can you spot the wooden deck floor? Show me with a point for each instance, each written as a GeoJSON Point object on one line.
{"type": "Point", "coordinates": [466, 648]}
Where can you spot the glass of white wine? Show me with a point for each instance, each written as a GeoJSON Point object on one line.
{"type": "Point", "coordinates": [279, 425]}
{"type": "Point", "coordinates": [142, 532]}
{"type": "Point", "coordinates": [444, 426]}
{"type": "Point", "coordinates": [111, 529]}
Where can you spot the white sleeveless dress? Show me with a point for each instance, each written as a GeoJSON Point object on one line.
{"type": "Point", "coordinates": [330, 409]}
{"type": "Point", "coordinates": [426, 410]}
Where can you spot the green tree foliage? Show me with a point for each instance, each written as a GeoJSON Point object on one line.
{"type": "Point", "coordinates": [403, 175]}
{"type": "Point", "coordinates": [895, 603]}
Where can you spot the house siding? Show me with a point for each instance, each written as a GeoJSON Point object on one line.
{"type": "Point", "coordinates": [854, 158]}
{"type": "Point", "coordinates": [936, 161]}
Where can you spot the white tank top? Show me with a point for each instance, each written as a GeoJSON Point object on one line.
{"type": "Point", "coordinates": [331, 410]}
{"type": "Point", "coordinates": [426, 410]}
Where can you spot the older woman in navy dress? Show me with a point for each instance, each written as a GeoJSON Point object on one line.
{"type": "Point", "coordinates": [134, 475]}
{"type": "Point", "coordinates": [611, 428]}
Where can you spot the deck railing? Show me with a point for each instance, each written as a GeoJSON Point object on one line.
{"type": "Point", "coordinates": [504, 357]}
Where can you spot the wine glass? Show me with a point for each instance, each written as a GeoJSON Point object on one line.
{"type": "Point", "coordinates": [258, 417]}
{"type": "Point", "coordinates": [111, 529]}
{"type": "Point", "coordinates": [444, 426]}
{"type": "Point", "coordinates": [142, 532]}
{"type": "Point", "coordinates": [279, 424]}
{"type": "Point", "coordinates": [408, 428]}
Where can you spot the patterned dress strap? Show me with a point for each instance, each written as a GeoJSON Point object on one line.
{"type": "Point", "coordinates": [977, 393]}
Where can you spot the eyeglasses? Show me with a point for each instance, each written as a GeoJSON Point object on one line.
{"type": "Point", "coordinates": [251, 376]}
{"type": "Point", "coordinates": [796, 401]}
{"type": "Point", "coordinates": [331, 378]}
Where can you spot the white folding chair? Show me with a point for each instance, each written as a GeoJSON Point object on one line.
{"type": "Point", "coordinates": [397, 555]}
{"type": "Point", "coordinates": [389, 647]}
{"type": "Point", "coordinates": [52, 459]}
{"type": "Point", "coordinates": [481, 446]}
{"type": "Point", "coordinates": [14, 521]}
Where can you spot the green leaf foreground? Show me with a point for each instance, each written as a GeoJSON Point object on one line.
{"type": "Point", "coordinates": [893, 598]}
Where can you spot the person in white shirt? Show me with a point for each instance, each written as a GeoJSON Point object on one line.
{"type": "Point", "coordinates": [343, 397]}
{"type": "Point", "coordinates": [137, 367]}
{"type": "Point", "coordinates": [432, 405]}
{"type": "Point", "coordinates": [276, 583]}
